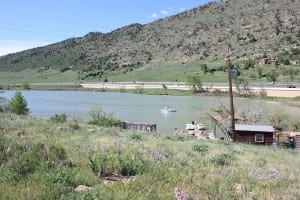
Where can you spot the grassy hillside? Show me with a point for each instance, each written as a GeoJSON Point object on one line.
{"type": "Point", "coordinates": [253, 29]}
{"type": "Point", "coordinates": [167, 72]}
{"type": "Point", "coordinates": [48, 160]}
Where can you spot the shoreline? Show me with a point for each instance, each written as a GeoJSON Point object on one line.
{"type": "Point", "coordinates": [157, 88]}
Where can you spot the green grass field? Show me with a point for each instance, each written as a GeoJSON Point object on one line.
{"type": "Point", "coordinates": [170, 72]}
{"type": "Point", "coordinates": [32, 76]}
{"type": "Point", "coordinates": [46, 160]}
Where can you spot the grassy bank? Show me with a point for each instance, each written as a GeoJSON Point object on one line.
{"type": "Point", "coordinates": [47, 160]}
{"type": "Point", "coordinates": [77, 87]}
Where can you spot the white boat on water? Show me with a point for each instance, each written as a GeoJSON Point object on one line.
{"type": "Point", "coordinates": [167, 109]}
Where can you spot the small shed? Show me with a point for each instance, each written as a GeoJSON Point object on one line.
{"type": "Point", "coordinates": [254, 134]}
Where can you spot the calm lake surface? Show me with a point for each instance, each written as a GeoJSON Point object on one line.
{"type": "Point", "coordinates": [139, 108]}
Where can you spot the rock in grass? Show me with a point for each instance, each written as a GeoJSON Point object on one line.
{"type": "Point", "coordinates": [82, 188]}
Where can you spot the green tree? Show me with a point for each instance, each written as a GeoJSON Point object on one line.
{"type": "Point", "coordinates": [59, 118]}
{"type": "Point", "coordinates": [25, 86]}
{"type": "Point", "coordinates": [272, 76]}
{"type": "Point", "coordinates": [195, 82]}
{"type": "Point", "coordinates": [96, 113]}
{"type": "Point", "coordinates": [259, 71]}
{"type": "Point", "coordinates": [278, 119]}
{"type": "Point", "coordinates": [18, 104]}
{"type": "Point", "coordinates": [204, 68]}
{"type": "Point", "coordinates": [100, 118]}
{"type": "Point", "coordinates": [292, 73]}
{"type": "Point", "coordinates": [286, 62]}
{"type": "Point", "coordinates": [248, 64]}
{"type": "Point", "coordinates": [295, 51]}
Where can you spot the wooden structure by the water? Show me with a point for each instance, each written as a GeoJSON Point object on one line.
{"type": "Point", "coordinates": [254, 134]}
{"type": "Point", "coordinates": [245, 133]}
{"type": "Point", "coordinates": [139, 127]}
{"type": "Point", "coordinates": [288, 139]}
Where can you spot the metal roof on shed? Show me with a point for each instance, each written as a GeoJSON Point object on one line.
{"type": "Point", "coordinates": [255, 128]}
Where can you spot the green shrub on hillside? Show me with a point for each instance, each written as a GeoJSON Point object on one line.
{"type": "Point", "coordinates": [19, 161]}
{"type": "Point", "coordinates": [272, 76]}
{"type": "Point", "coordinates": [102, 119]}
{"type": "Point", "coordinates": [121, 162]}
{"type": "Point", "coordinates": [278, 119]}
{"type": "Point", "coordinates": [96, 113]}
{"type": "Point", "coordinates": [295, 51]}
{"type": "Point", "coordinates": [136, 137]}
{"type": "Point", "coordinates": [74, 124]}
{"type": "Point", "coordinates": [204, 68]}
{"type": "Point", "coordinates": [3, 104]}
{"type": "Point", "coordinates": [19, 167]}
{"type": "Point", "coordinates": [223, 159]}
{"type": "Point", "coordinates": [201, 148]}
{"type": "Point", "coordinates": [248, 64]}
{"type": "Point", "coordinates": [59, 118]}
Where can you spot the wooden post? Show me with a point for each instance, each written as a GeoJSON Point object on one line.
{"type": "Point", "coordinates": [215, 129]}
{"type": "Point", "coordinates": [231, 98]}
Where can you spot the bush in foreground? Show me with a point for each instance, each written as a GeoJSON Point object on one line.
{"type": "Point", "coordinates": [59, 118]}
{"type": "Point", "coordinates": [102, 119]}
{"type": "Point", "coordinates": [122, 162]}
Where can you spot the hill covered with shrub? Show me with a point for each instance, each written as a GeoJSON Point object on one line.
{"type": "Point", "coordinates": [252, 29]}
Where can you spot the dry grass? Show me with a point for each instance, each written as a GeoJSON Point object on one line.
{"type": "Point", "coordinates": [201, 169]}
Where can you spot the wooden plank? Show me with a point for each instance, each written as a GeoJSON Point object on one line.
{"type": "Point", "coordinates": [269, 140]}
{"type": "Point", "coordinates": [297, 142]}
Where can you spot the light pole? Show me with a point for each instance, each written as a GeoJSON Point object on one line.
{"type": "Point", "coordinates": [231, 96]}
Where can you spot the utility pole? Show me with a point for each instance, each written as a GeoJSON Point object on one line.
{"type": "Point", "coordinates": [231, 96]}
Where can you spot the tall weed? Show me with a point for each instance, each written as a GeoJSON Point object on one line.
{"type": "Point", "coordinates": [126, 163]}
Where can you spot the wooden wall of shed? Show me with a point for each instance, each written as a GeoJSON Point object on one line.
{"type": "Point", "coordinates": [249, 138]}
{"type": "Point", "coordinates": [297, 142]}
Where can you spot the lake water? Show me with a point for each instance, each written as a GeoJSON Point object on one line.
{"type": "Point", "coordinates": [137, 107]}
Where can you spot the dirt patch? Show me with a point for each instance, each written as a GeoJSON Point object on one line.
{"type": "Point", "coordinates": [283, 93]}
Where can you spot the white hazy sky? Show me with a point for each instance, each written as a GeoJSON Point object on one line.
{"type": "Point", "coordinates": [32, 23]}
